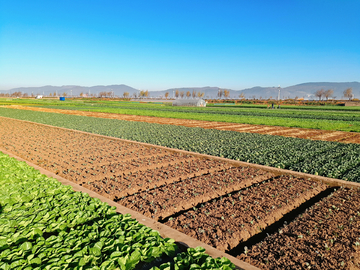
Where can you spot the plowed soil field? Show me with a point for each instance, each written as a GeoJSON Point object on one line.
{"type": "Point", "coordinates": [313, 134]}
{"type": "Point", "coordinates": [219, 203]}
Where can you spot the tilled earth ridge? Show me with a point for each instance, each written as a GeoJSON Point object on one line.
{"type": "Point", "coordinates": [229, 220]}
{"type": "Point", "coordinates": [71, 154]}
{"type": "Point", "coordinates": [169, 199]}
{"type": "Point", "coordinates": [326, 236]}
{"type": "Point", "coordinates": [303, 133]}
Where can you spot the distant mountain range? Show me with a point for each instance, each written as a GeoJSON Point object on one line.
{"type": "Point", "coordinates": [304, 90]}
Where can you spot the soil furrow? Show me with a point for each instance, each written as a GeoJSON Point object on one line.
{"type": "Point", "coordinates": [226, 222]}
{"type": "Point", "coordinates": [316, 239]}
{"type": "Point", "coordinates": [115, 187]}
{"type": "Point", "coordinates": [169, 199]}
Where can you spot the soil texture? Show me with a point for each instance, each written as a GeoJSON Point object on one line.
{"type": "Point", "coordinates": [326, 236]}
{"type": "Point", "coordinates": [228, 220]}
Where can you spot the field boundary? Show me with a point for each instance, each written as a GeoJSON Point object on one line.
{"type": "Point", "coordinates": [332, 182]}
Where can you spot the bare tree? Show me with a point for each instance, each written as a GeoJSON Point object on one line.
{"type": "Point", "coordinates": [242, 96]}
{"type": "Point", "coordinates": [194, 94]}
{"type": "Point", "coordinates": [188, 94]}
{"type": "Point", "coordinates": [182, 94]}
{"type": "Point", "coordinates": [328, 93]}
{"type": "Point", "coordinates": [220, 93]}
{"type": "Point", "coordinates": [126, 94]}
{"type": "Point", "coordinates": [348, 93]}
{"type": "Point", "coordinates": [166, 95]}
{"type": "Point", "coordinates": [16, 94]}
{"type": "Point", "coordinates": [176, 93]}
{"type": "Point", "coordinates": [226, 93]}
{"type": "Point", "coordinates": [319, 93]}
{"type": "Point", "coordinates": [200, 94]}
{"type": "Point", "coordinates": [103, 94]}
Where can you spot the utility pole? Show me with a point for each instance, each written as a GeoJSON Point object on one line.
{"type": "Point", "coordinates": [279, 93]}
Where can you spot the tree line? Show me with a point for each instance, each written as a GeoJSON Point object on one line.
{"type": "Point", "coordinates": [348, 93]}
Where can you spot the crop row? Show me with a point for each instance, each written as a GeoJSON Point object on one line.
{"type": "Point", "coordinates": [315, 119]}
{"type": "Point", "coordinates": [286, 112]}
{"type": "Point", "coordinates": [45, 225]}
{"type": "Point", "coordinates": [340, 160]}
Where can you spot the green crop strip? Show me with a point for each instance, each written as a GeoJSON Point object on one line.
{"type": "Point", "coordinates": [196, 259]}
{"type": "Point", "coordinates": [329, 159]}
{"type": "Point", "coordinates": [315, 117]}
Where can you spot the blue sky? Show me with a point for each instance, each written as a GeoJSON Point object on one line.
{"type": "Point", "coordinates": [156, 45]}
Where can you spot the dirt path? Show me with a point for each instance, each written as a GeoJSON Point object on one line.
{"type": "Point", "coordinates": [313, 134]}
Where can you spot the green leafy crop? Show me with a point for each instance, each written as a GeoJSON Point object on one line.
{"type": "Point", "coordinates": [196, 259]}
{"type": "Point", "coordinates": [45, 225]}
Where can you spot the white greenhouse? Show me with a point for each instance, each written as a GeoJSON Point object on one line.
{"type": "Point", "coordinates": [190, 102]}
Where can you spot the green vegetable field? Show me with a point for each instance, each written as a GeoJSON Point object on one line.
{"type": "Point", "coordinates": [331, 159]}
{"type": "Point", "coordinates": [315, 117]}
{"type": "Point", "coordinates": [45, 225]}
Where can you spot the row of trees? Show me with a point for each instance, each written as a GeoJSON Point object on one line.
{"type": "Point", "coordinates": [223, 92]}
{"type": "Point", "coordinates": [188, 94]}
{"type": "Point", "coordinates": [348, 93]}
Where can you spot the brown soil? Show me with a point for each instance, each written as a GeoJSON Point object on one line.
{"type": "Point", "coordinates": [313, 134]}
{"type": "Point", "coordinates": [169, 199]}
{"type": "Point", "coordinates": [228, 221]}
{"type": "Point", "coordinates": [318, 239]}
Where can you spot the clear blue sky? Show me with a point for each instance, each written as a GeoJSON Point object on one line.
{"type": "Point", "coordinates": [157, 45]}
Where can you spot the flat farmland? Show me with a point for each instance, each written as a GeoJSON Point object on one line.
{"type": "Point", "coordinates": [293, 132]}
{"type": "Point", "coordinates": [217, 202]}
{"type": "Point", "coordinates": [325, 158]}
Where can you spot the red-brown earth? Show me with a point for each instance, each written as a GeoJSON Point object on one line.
{"type": "Point", "coordinates": [326, 236]}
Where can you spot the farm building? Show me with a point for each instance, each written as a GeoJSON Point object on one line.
{"type": "Point", "coordinates": [352, 103]}
{"type": "Point", "coordinates": [190, 102]}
